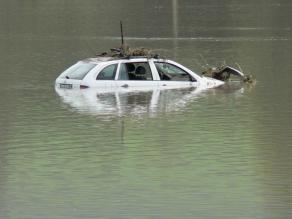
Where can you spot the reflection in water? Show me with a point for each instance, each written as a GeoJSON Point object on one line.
{"type": "Point", "coordinates": [162, 154]}
{"type": "Point", "coordinates": [137, 103]}
{"type": "Point", "coordinates": [175, 26]}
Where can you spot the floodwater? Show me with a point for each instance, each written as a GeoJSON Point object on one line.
{"type": "Point", "coordinates": [225, 153]}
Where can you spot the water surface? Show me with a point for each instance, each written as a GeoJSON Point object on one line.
{"type": "Point", "coordinates": [223, 153]}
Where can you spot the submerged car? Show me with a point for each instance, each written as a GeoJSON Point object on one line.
{"type": "Point", "coordinates": [131, 73]}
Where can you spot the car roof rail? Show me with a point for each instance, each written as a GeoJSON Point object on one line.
{"type": "Point", "coordinates": [156, 56]}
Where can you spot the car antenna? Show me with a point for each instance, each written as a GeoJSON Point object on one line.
{"type": "Point", "coordinates": [122, 39]}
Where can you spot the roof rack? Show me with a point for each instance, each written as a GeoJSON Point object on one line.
{"type": "Point", "coordinates": [129, 53]}
{"type": "Point", "coordinates": [137, 57]}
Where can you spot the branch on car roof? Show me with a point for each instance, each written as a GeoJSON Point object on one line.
{"type": "Point", "coordinates": [127, 51]}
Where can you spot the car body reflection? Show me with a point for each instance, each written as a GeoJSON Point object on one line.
{"type": "Point", "coordinates": [112, 102]}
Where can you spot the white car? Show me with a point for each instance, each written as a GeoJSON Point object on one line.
{"type": "Point", "coordinates": [132, 73]}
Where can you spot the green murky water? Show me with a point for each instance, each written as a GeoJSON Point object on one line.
{"type": "Point", "coordinates": [225, 153]}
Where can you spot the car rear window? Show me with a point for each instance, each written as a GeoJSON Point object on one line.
{"type": "Point", "coordinates": [78, 71]}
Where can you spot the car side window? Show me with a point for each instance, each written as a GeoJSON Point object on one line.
{"type": "Point", "coordinates": [135, 71]}
{"type": "Point", "coordinates": [169, 72]}
{"type": "Point", "coordinates": [107, 73]}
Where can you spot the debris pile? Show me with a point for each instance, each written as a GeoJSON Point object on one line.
{"type": "Point", "coordinates": [126, 52]}
{"type": "Point", "coordinates": [224, 73]}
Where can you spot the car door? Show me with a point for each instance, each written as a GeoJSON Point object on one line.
{"type": "Point", "coordinates": [104, 77]}
{"type": "Point", "coordinates": [173, 76]}
{"type": "Point", "coordinates": [135, 75]}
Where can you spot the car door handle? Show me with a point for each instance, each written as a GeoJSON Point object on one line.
{"type": "Point", "coordinates": [164, 85]}
{"type": "Point", "coordinates": [125, 85]}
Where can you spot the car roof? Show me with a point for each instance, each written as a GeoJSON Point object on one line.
{"type": "Point", "coordinates": [101, 59]}
{"type": "Point", "coordinates": [97, 60]}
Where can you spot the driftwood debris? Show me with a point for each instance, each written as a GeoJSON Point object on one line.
{"type": "Point", "coordinates": [224, 73]}
{"type": "Point", "coordinates": [126, 51]}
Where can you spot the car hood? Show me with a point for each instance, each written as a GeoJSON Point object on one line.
{"type": "Point", "coordinates": [207, 82]}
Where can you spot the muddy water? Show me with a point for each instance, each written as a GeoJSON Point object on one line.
{"type": "Point", "coordinates": [224, 153]}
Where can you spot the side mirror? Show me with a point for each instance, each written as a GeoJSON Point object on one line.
{"type": "Point", "coordinates": [192, 79]}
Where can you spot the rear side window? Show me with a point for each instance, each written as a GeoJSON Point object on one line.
{"type": "Point", "coordinates": [135, 71]}
{"type": "Point", "coordinates": [108, 73]}
{"type": "Point", "coordinates": [78, 71]}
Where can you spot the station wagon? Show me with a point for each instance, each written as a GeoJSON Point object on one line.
{"type": "Point", "coordinates": [131, 73]}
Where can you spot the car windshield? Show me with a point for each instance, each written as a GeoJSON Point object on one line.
{"type": "Point", "coordinates": [78, 71]}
